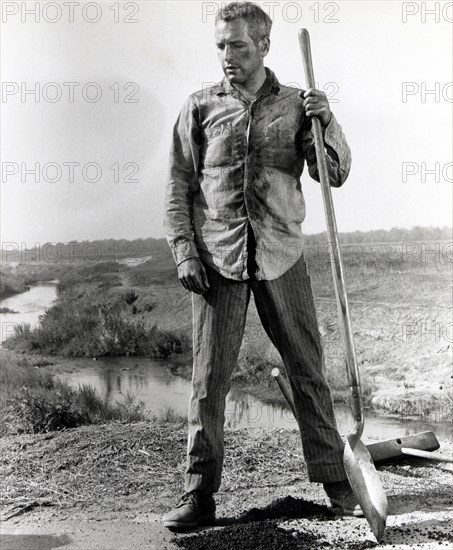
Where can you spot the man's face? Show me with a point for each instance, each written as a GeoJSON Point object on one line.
{"type": "Point", "coordinates": [239, 56]}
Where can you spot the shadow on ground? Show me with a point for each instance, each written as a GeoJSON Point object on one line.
{"type": "Point", "coordinates": [281, 508]}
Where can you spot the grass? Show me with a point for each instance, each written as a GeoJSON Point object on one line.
{"type": "Point", "coordinates": [33, 401]}
{"type": "Point", "coordinates": [92, 323]}
{"type": "Point", "coordinates": [168, 414]}
{"type": "Point", "coordinates": [141, 466]}
{"type": "Point", "coordinates": [10, 285]}
{"type": "Point", "coordinates": [105, 463]}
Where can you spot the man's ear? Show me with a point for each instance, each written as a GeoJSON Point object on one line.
{"type": "Point", "coordinates": [265, 44]}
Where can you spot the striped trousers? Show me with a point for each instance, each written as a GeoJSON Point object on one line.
{"type": "Point", "coordinates": [287, 312]}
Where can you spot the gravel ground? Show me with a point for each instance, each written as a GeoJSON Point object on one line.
{"type": "Point", "coordinates": [105, 488]}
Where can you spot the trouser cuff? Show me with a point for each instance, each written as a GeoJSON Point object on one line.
{"type": "Point", "coordinates": [201, 483]}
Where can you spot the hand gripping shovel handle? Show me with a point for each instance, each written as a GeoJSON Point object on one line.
{"type": "Point", "coordinates": [334, 248]}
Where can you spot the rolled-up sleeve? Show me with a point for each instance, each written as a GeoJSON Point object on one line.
{"type": "Point", "coordinates": [182, 183]}
{"type": "Point", "coordinates": [338, 153]}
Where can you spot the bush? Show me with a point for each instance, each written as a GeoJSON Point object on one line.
{"type": "Point", "coordinates": [82, 325]}
{"type": "Point", "coordinates": [10, 285]}
{"type": "Point", "coordinates": [33, 401]}
{"type": "Point", "coordinates": [34, 410]}
{"type": "Point", "coordinates": [37, 411]}
{"type": "Point", "coordinates": [128, 409]}
{"type": "Point", "coordinates": [130, 296]}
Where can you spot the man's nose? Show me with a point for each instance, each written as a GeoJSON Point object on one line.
{"type": "Point", "coordinates": [228, 53]}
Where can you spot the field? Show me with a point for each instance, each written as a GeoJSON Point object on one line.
{"type": "Point", "coordinates": [399, 299]}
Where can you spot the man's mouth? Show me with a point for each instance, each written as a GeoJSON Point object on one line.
{"type": "Point", "coordinates": [231, 68]}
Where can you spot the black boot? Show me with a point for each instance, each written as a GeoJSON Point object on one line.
{"type": "Point", "coordinates": [192, 510]}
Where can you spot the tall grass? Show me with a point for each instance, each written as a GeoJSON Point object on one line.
{"type": "Point", "coordinates": [81, 325]}
{"type": "Point", "coordinates": [168, 414]}
{"type": "Point", "coordinates": [10, 285]}
{"type": "Point", "coordinates": [32, 401]}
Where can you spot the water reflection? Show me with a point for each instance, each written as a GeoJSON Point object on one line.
{"type": "Point", "coordinates": [151, 381]}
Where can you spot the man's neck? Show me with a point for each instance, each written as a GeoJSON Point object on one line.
{"type": "Point", "coordinates": [250, 88]}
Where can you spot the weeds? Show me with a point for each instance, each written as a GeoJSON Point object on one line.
{"type": "Point", "coordinates": [129, 409]}
{"type": "Point", "coordinates": [79, 327]}
{"type": "Point", "coordinates": [168, 414]}
{"type": "Point", "coordinates": [4, 310]}
{"type": "Point", "coordinates": [35, 402]}
{"type": "Point", "coordinates": [10, 285]}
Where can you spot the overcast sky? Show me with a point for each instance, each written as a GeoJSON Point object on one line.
{"type": "Point", "coordinates": [376, 60]}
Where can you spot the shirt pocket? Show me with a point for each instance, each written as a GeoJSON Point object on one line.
{"type": "Point", "coordinates": [218, 149]}
{"type": "Point", "coordinates": [278, 145]}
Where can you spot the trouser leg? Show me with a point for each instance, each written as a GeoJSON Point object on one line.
{"type": "Point", "coordinates": [287, 311]}
{"type": "Point", "coordinates": [218, 326]}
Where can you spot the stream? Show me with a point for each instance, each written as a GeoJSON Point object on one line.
{"type": "Point", "coordinates": [29, 306]}
{"type": "Point", "coordinates": [151, 381]}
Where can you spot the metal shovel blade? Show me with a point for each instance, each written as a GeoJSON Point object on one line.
{"type": "Point", "coordinates": [365, 483]}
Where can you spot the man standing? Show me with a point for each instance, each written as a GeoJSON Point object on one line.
{"type": "Point", "coordinates": [233, 211]}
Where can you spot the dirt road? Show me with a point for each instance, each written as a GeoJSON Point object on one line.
{"type": "Point", "coordinates": [105, 488]}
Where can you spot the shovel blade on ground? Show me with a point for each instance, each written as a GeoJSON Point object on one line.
{"type": "Point", "coordinates": [391, 448]}
{"type": "Point", "coordinates": [365, 483]}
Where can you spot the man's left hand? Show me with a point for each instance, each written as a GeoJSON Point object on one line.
{"type": "Point", "coordinates": [316, 104]}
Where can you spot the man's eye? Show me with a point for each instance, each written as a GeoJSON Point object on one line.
{"type": "Point", "coordinates": [220, 46]}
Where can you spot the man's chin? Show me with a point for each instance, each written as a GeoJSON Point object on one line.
{"type": "Point", "coordinates": [234, 77]}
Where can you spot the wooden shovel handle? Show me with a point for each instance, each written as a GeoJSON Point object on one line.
{"type": "Point", "coordinates": [285, 389]}
{"type": "Point", "coordinates": [334, 246]}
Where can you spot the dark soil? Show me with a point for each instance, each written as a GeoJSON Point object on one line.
{"type": "Point", "coordinates": [250, 536]}
{"type": "Point", "coordinates": [258, 529]}
{"type": "Point", "coordinates": [287, 507]}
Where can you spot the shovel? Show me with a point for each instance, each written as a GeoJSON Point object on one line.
{"type": "Point", "coordinates": [359, 466]}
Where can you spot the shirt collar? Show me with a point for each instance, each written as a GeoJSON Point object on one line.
{"type": "Point", "coordinates": [225, 86]}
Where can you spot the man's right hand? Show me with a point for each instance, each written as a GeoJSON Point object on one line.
{"type": "Point", "coordinates": [193, 276]}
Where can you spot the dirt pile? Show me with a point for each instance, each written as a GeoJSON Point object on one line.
{"type": "Point", "coordinates": [249, 536]}
{"type": "Point", "coordinates": [258, 529]}
{"type": "Point", "coordinates": [287, 507]}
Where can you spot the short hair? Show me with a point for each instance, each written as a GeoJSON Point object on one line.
{"type": "Point", "coordinates": [259, 23]}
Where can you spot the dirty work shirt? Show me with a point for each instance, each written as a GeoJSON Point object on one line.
{"type": "Point", "coordinates": [235, 163]}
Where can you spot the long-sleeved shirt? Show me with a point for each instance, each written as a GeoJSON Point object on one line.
{"type": "Point", "coordinates": [235, 163]}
